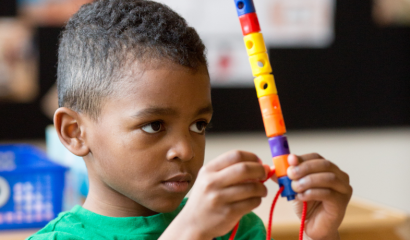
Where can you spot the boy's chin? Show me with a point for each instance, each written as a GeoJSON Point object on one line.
{"type": "Point", "coordinates": [166, 205]}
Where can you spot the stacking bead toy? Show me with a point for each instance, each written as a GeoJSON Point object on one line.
{"type": "Point", "coordinates": [266, 92]}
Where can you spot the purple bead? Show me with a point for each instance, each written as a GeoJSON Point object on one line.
{"type": "Point", "coordinates": [279, 146]}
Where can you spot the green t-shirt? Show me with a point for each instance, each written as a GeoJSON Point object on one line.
{"type": "Point", "coordinates": [81, 224]}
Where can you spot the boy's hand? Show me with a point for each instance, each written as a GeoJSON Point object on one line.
{"type": "Point", "coordinates": [226, 189]}
{"type": "Point", "coordinates": [327, 190]}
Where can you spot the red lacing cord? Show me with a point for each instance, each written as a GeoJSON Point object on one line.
{"type": "Point", "coordinates": [270, 174]}
{"type": "Point", "coordinates": [303, 219]}
{"type": "Point", "coordinates": [268, 235]}
{"type": "Point", "coordinates": [271, 212]}
{"type": "Point", "coordinates": [234, 232]}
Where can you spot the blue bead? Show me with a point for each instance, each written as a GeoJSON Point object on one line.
{"type": "Point", "coordinates": [288, 191]}
{"type": "Point", "coordinates": [244, 7]}
{"type": "Point", "coordinates": [279, 146]}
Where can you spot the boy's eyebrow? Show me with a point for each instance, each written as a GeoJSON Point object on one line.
{"type": "Point", "coordinates": [154, 111]}
{"type": "Point", "coordinates": [150, 111]}
{"type": "Point", "coordinates": [205, 110]}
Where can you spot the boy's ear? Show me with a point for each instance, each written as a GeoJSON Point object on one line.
{"type": "Point", "coordinates": [68, 126]}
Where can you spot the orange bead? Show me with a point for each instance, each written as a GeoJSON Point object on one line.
{"type": "Point", "coordinates": [272, 115]}
{"type": "Point", "coordinates": [281, 165]}
{"type": "Point", "coordinates": [270, 105]}
{"type": "Point", "coordinates": [274, 125]}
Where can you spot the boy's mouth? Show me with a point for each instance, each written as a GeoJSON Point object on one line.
{"type": "Point", "coordinates": [178, 183]}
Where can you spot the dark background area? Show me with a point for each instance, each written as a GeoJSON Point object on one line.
{"type": "Point", "coordinates": [8, 8]}
{"type": "Point", "coordinates": [361, 80]}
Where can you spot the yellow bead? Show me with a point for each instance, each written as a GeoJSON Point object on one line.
{"type": "Point", "coordinates": [265, 85]}
{"type": "Point", "coordinates": [260, 64]}
{"type": "Point", "coordinates": [254, 43]}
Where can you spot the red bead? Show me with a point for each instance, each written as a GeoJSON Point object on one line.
{"type": "Point", "coordinates": [249, 23]}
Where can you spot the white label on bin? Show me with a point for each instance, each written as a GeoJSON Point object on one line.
{"type": "Point", "coordinates": [4, 192]}
{"type": "Point", "coordinates": [7, 161]}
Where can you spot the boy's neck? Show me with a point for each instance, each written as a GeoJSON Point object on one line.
{"type": "Point", "coordinates": [114, 204]}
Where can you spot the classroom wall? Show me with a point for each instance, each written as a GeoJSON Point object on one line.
{"type": "Point", "coordinates": [377, 160]}
{"type": "Point", "coordinates": [361, 81]}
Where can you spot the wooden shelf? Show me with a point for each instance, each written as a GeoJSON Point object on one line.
{"type": "Point", "coordinates": [363, 220]}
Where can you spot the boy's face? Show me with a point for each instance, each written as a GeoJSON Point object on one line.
{"type": "Point", "coordinates": [148, 145]}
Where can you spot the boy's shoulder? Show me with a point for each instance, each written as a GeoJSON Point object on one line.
{"type": "Point", "coordinates": [66, 226]}
{"type": "Point", "coordinates": [63, 227]}
{"type": "Point", "coordinates": [80, 223]}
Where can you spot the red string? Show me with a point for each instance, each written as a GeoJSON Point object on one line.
{"type": "Point", "coordinates": [268, 235]}
{"type": "Point", "coordinates": [270, 174]}
{"type": "Point", "coordinates": [234, 232]}
{"type": "Point", "coordinates": [303, 218]}
{"type": "Point", "coordinates": [271, 212]}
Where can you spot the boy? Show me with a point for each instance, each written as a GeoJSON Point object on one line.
{"type": "Point", "coordinates": [134, 96]}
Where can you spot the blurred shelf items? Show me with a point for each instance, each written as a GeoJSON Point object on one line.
{"type": "Point", "coordinates": [31, 187]}
{"type": "Point", "coordinates": [35, 186]}
{"type": "Point", "coordinates": [18, 62]}
{"type": "Point", "coordinates": [391, 12]}
{"type": "Point", "coordinates": [287, 24]}
{"type": "Point", "coordinates": [19, 57]}
{"type": "Point", "coordinates": [48, 12]}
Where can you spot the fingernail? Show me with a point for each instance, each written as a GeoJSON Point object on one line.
{"type": "Point", "coordinates": [302, 182]}
{"type": "Point", "coordinates": [296, 170]}
{"type": "Point", "coordinates": [291, 172]}
{"type": "Point", "coordinates": [295, 186]}
{"type": "Point", "coordinates": [299, 184]}
{"type": "Point", "coordinates": [291, 156]}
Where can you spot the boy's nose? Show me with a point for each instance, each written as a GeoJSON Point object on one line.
{"type": "Point", "coordinates": [181, 148]}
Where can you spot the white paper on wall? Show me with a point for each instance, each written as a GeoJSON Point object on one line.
{"type": "Point", "coordinates": [284, 24]}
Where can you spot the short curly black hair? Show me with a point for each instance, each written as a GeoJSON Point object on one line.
{"type": "Point", "coordinates": [106, 35]}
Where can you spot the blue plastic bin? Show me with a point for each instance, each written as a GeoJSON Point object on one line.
{"type": "Point", "coordinates": [31, 187]}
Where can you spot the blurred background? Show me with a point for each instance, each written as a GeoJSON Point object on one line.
{"type": "Point", "coordinates": [342, 70]}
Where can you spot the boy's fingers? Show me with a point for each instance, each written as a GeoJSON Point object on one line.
{"type": "Point", "coordinates": [327, 196]}
{"type": "Point", "coordinates": [243, 191]}
{"type": "Point", "coordinates": [310, 156]}
{"type": "Point", "coordinates": [315, 166]}
{"type": "Point", "coordinates": [241, 172]}
{"type": "Point", "coordinates": [274, 178]}
{"type": "Point", "coordinates": [269, 171]}
{"type": "Point", "coordinates": [245, 206]}
{"type": "Point", "coordinates": [321, 180]}
{"type": "Point", "coordinates": [230, 158]}
{"type": "Point", "coordinates": [295, 160]}
{"type": "Point", "coordinates": [272, 174]}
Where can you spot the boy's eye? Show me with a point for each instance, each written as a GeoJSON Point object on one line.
{"type": "Point", "coordinates": [153, 127]}
{"type": "Point", "coordinates": [198, 127]}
